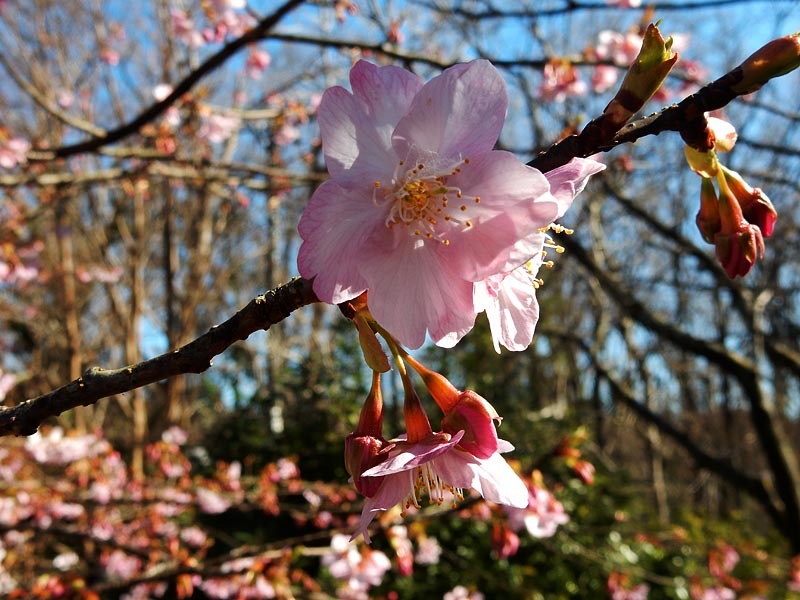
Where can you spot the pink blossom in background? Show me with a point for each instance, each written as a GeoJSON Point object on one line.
{"type": "Point", "coordinates": [55, 449]}
{"type": "Point", "coordinates": [65, 98]}
{"type": "Point", "coordinates": [211, 502]}
{"type": "Point", "coordinates": [7, 582]}
{"type": "Point", "coordinates": [403, 549]}
{"type": "Point", "coordinates": [360, 570]}
{"type": "Point", "coordinates": [461, 593]}
{"type": "Point", "coordinates": [619, 588]}
{"type": "Point", "coordinates": [7, 383]}
{"type": "Point", "coordinates": [66, 561]}
{"type": "Point", "coordinates": [625, 3]}
{"type": "Point", "coordinates": [560, 80]}
{"type": "Point", "coordinates": [257, 62]}
{"type": "Point", "coordinates": [604, 77]}
{"type": "Point", "coordinates": [194, 536]}
{"type": "Point", "coordinates": [286, 134]}
{"type": "Point", "coordinates": [714, 593]}
{"type": "Point", "coordinates": [175, 435]}
{"type": "Point", "coordinates": [184, 28]}
{"type": "Point", "coordinates": [101, 274]}
{"type": "Point", "coordinates": [418, 207]}
{"type": "Point", "coordinates": [161, 91]}
{"type": "Point", "coordinates": [428, 551]}
{"type": "Point", "coordinates": [542, 516]}
{"type": "Point", "coordinates": [119, 565]}
{"type": "Point", "coordinates": [109, 56]}
{"type": "Point", "coordinates": [217, 128]}
{"type": "Point", "coordinates": [223, 5]}
{"type": "Point", "coordinates": [13, 152]}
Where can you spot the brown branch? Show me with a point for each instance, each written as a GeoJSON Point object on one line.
{"type": "Point", "coordinates": [195, 357]}
{"type": "Point", "coordinates": [686, 117]}
{"type": "Point", "coordinates": [131, 127]}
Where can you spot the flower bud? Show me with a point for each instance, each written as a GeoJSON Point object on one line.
{"type": "Point", "coordinates": [724, 133]}
{"type": "Point", "coordinates": [776, 58]}
{"type": "Point", "coordinates": [473, 415]}
{"type": "Point", "coordinates": [362, 447]}
{"type": "Point", "coordinates": [361, 453]}
{"type": "Point", "coordinates": [738, 244]}
{"type": "Point", "coordinates": [644, 77]}
{"type": "Point", "coordinates": [756, 206]}
{"type": "Point", "coordinates": [708, 219]}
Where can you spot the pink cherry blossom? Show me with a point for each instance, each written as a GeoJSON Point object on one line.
{"type": "Point", "coordinates": [428, 551]}
{"type": "Point", "coordinates": [418, 206]}
{"type": "Point", "coordinates": [13, 151]}
{"type": "Point", "coordinates": [461, 593]}
{"type": "Point", "coordinates": [54, 448]}
{"type": "Point", "coordinates": [217, 128]}
{"type": "Point", "coordinates": [509, 298]}
{"type": "Point", "coordinates": [542, 516]}
{"type": "Point", "coordinates": [620, 48]}
{"type": "Point", "coordinates": [211, 502]}
{"type": "Point", "coordinates": [625, 3]}
{"type": "Point", "coordinates": [7, 383]}
{"type": "Point", "coordinates": [561, 80]}
{"type": "Point", "coordinates": [360, 570]}
{"type": "Point", "coordinates": [184, 28]}
{"type": "Point", "coordinates": [257, 62]}
{"type": "Point", "coordinates": [437, 467]}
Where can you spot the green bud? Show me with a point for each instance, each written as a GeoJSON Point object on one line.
{"type": "Point", "coordinates": [644, 77]}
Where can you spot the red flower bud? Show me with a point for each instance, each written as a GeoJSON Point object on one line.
{"type": "Point", "coordinates": [708, 219]}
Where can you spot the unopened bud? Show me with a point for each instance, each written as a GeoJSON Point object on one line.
{"type": "Point", "coordinates": [738, 243]}
{"type": "Point", "coordinates": [644, 77]}
{"type": "Point", "coordinates": [724, 133]}
{"type": "Point", "coordinates": [776, 58]}
{"type": "Point", "coordinates": [756, 206]}
{"type": "Point", "coordinates": [361, 453]}
{"type": "Point", "coordinates": [708, 218]}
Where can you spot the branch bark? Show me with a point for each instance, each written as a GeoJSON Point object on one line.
{"type": "Point", "coordinates": [195, 357]}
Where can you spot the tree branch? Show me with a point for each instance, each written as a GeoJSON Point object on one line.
{"type": "Point", "coordinates": [255, 34]}
{"type": "Point", "coordinates": [195, 357]}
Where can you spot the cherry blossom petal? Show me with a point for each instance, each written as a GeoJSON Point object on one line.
{"type": "Point", "coordinates": [350, 138]}
{"type": "Point", "coordinates": [386, 93]}
{"type": "Point", "coordinates": [407, 456]}
{"type": "Point", "coordinates": [413, 288]}
{"type": "Point", "coordinates": [492, 478]}
{"type": "Point", "coordinates": [567, 181]}
{"type": "Point", "coordinates": [334, 228]}
{"type": "Point", "coordinates": [516, 198]}
{"type": "Point", "coordinates": [513, 311]}
{"type": "Point", "coordinates": [458, 114]}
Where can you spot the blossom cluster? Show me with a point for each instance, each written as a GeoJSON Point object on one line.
{"type": "Point", "coordinates": [423, 213]}
{"type": "Point", "coordinates": [738, 218]}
